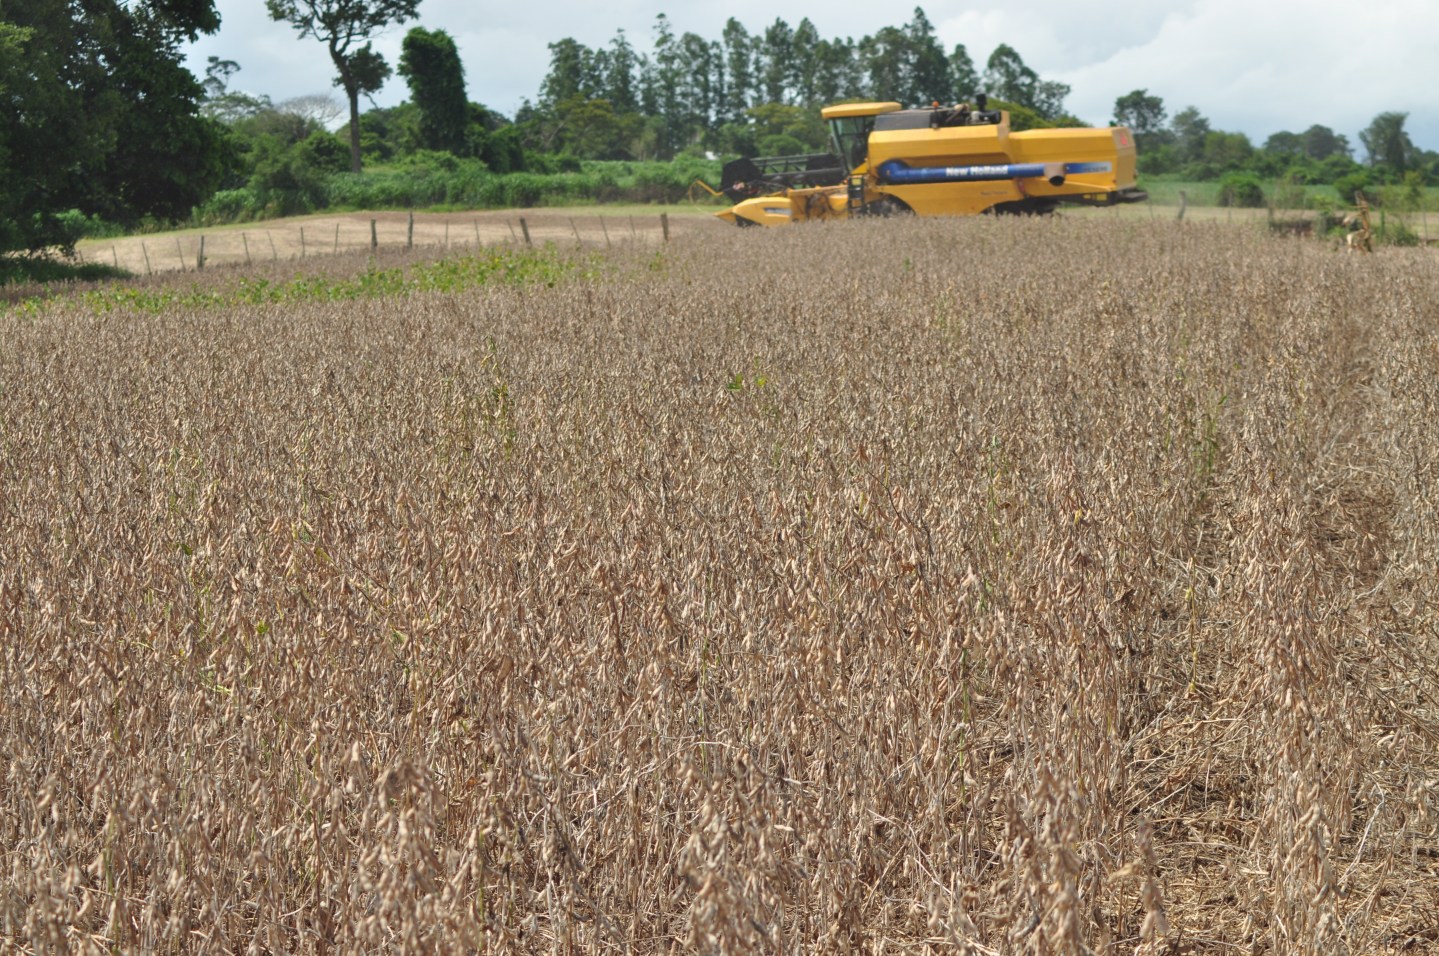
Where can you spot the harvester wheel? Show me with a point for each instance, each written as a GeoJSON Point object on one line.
{"type": "Point", "coordinates": [886, 207]}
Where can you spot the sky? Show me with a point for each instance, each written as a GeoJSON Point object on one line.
{"type": "Point", "coordinates": [1251, 66]}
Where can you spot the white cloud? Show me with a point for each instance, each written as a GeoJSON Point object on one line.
{"type": "Point", "coordinates": [1248, 66]}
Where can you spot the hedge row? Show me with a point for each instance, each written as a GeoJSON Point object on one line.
{"type": "Point", "coordinates": [462, 184]}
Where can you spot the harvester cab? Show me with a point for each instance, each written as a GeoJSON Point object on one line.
{"type": "Point", "coordinates": [956, 161]}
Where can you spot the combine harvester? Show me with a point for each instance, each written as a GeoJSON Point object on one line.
{"type": "Point", "coordinates": [941, 161]}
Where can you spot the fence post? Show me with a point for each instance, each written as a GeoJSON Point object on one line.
{"type": "Point", "coordinates": [665, 225]}
{"type": "Point", "coordinates": [1183, 203]}
{"type": "Point", "coordinates": [447, 234]}
{"type": "Point", "coordinates": [246, 243]}
{"type": "Point", "coordinates": [180, 252]}
{"type": "Point", "coordinates": [410, 233]}
{"type": "Point", "coordinates": [337, 237]}
{"type": "Point", "coordinates": [302, 242]}
{"type": "Point", "coordinates": [525, 228]}
{"type": "Point", "coordinates": [478, 242]}
{"type": "Point", "coordinates": [274, 253]}
{"type": "Point", "coordinates": [116, 256]}
{"type": "Point", "coordinates": [200, 256]}
{"type": "Point", "coordinates": [576, 230]}
{"type": "Point", "coordinates": [147, 256]}
{"type": "Point", "coordinates": [374, 236]}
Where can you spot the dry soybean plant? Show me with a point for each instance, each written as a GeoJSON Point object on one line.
{"type": "Point", "coordinates": [985, 586]}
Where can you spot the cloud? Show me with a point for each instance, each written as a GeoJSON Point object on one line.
{"type": "Point", "coordinates": [1248, 66]}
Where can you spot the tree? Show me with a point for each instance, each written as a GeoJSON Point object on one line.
{"type": "Point", "coordinates": [224, 104]}
{"type": "Point", "coordinates": [1284, 143]}
{"type": "Point", "coordinates": [573, 72]}
{"type": "Point", "coordinates": [739, 56]}
{"type": "Point", "coordinates": [322, 109]}
{"type": "Point", "coordinates": [341, 25]}
{"type": "Point", "coordinates": [1321, 142]}
{"type": "Point", "coordinates": [776, 61]}
{"type": "Point", "coordinates": [1049, 97]}
{"type": "Point", "coordinates": [804, 62]}
{"type": "Point", "coordinates": [836, 73]}
{"type": "Point", "coordinates": [1189, 128]}
{"type": "Point", "coordinates": [666, 82]}
{"type": "Point", "coordinates": [1387, 142]}
{"type": "Point", "coordinates": [884, 55]}
{"type": "Point", "coordinates": [963, 75]}
{"type": "Point", "coordinates": [619, 78]}
{"type": "Point", "coordinates": [430, 64]}
{"type": "Point", "coordinates": [1007, 78]}
{"type": "Point", "coordinates": [1143, 114]}
{"type": "Point", "coordinates": [99, 115]}
{"type": "Point", "coordinates": [703, 78]}
{"type": "Point", "coordinates": [928, 78]}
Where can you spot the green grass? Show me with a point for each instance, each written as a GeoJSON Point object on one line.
{"type": "Point", "coordinates": [532, 267]}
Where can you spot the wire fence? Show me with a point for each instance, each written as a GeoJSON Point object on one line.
{"type": "Point", "coordinates": [194, 251]}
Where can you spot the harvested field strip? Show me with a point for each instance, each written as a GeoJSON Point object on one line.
{"type": "Point", "coordinates": [1015, 585]}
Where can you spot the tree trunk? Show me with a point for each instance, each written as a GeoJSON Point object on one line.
{"type": "Point", "coordinates": [354, 96]}
{"type": "Point", "coordinates": [351, 86]}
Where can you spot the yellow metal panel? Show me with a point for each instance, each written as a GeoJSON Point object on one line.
{"type": "Point", "coordinates": [947, 146]}
{"type": "Point", "coordinates": [766, 210]}
{"type": "Point", "coordinates": [954, 199]}
{"type": "Point", "coordinates": [858, 109]}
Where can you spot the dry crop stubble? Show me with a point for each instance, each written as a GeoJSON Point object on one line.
{"type": "Point", "coordinates": [794, 590]}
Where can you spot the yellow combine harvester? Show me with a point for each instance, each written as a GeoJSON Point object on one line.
{"type": "Point", "coordinates": [941, 161]}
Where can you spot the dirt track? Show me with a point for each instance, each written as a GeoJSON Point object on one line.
{"type": "Point", "coordinates": [325, 234]}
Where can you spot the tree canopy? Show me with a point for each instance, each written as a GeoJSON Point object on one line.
{"type": "Point", "coordinates": [430, 64]}
{"type": "Point", "coordinates": [100, 116]}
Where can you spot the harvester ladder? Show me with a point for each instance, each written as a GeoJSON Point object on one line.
{"type": "Point", "coordinates": [856, 194]}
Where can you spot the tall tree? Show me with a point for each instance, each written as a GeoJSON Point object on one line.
{"type": "Point", "coordinates": [962, 73]}
{"type": "Point", "coordinates": [573, 73]}
{"type": "Point", "coordinates": [666, 83]}
{"type": "Point", "coordinates": [776, 59]}
{"type": "Point", "coordinates": [1049, 97]}
{"type": "Point", "coordinates": [619, 78]}
{"type": "Point", "coordinates": [431, 66]}
{"type": "Point", "coordinates": [739, 54]}
{"type": "Point", "coordinates": [342, 25]}
{"type": "Point", "coordinates": [804, 62]}
{"type": "Point", "coordinates": [1006, 77]}
{"type": "Point", "coordinates": [702, 77]}
{"type": "Point", "coordinates": [836, 71]}
{"type": "Point", "coordinates": [99, 114]}
{"type": "Point", "coordinates": [1387, 142]}
{"type": "Point", "coordinates": [929, 78]}
{"type": "Point", "coordinates": [1143, 114]}
{"type": "Point", "coordinates": [885, 56]}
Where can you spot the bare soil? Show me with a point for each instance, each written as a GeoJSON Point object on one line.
{"type": "Point", "coordinates": [301, 237]}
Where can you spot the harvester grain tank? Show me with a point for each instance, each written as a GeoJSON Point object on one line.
{"type": "Point", "coordinates": [937, 161]}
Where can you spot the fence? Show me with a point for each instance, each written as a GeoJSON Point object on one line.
{"type": "Point", "coordinates": [318, 237]}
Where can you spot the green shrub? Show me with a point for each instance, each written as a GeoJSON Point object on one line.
{"type": "Point", "coordinates": [1242, 190]}
{"type": "Point", "coordinates": [1356, 182]}
{"type": "Point", "coordinates": [228, 205]}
